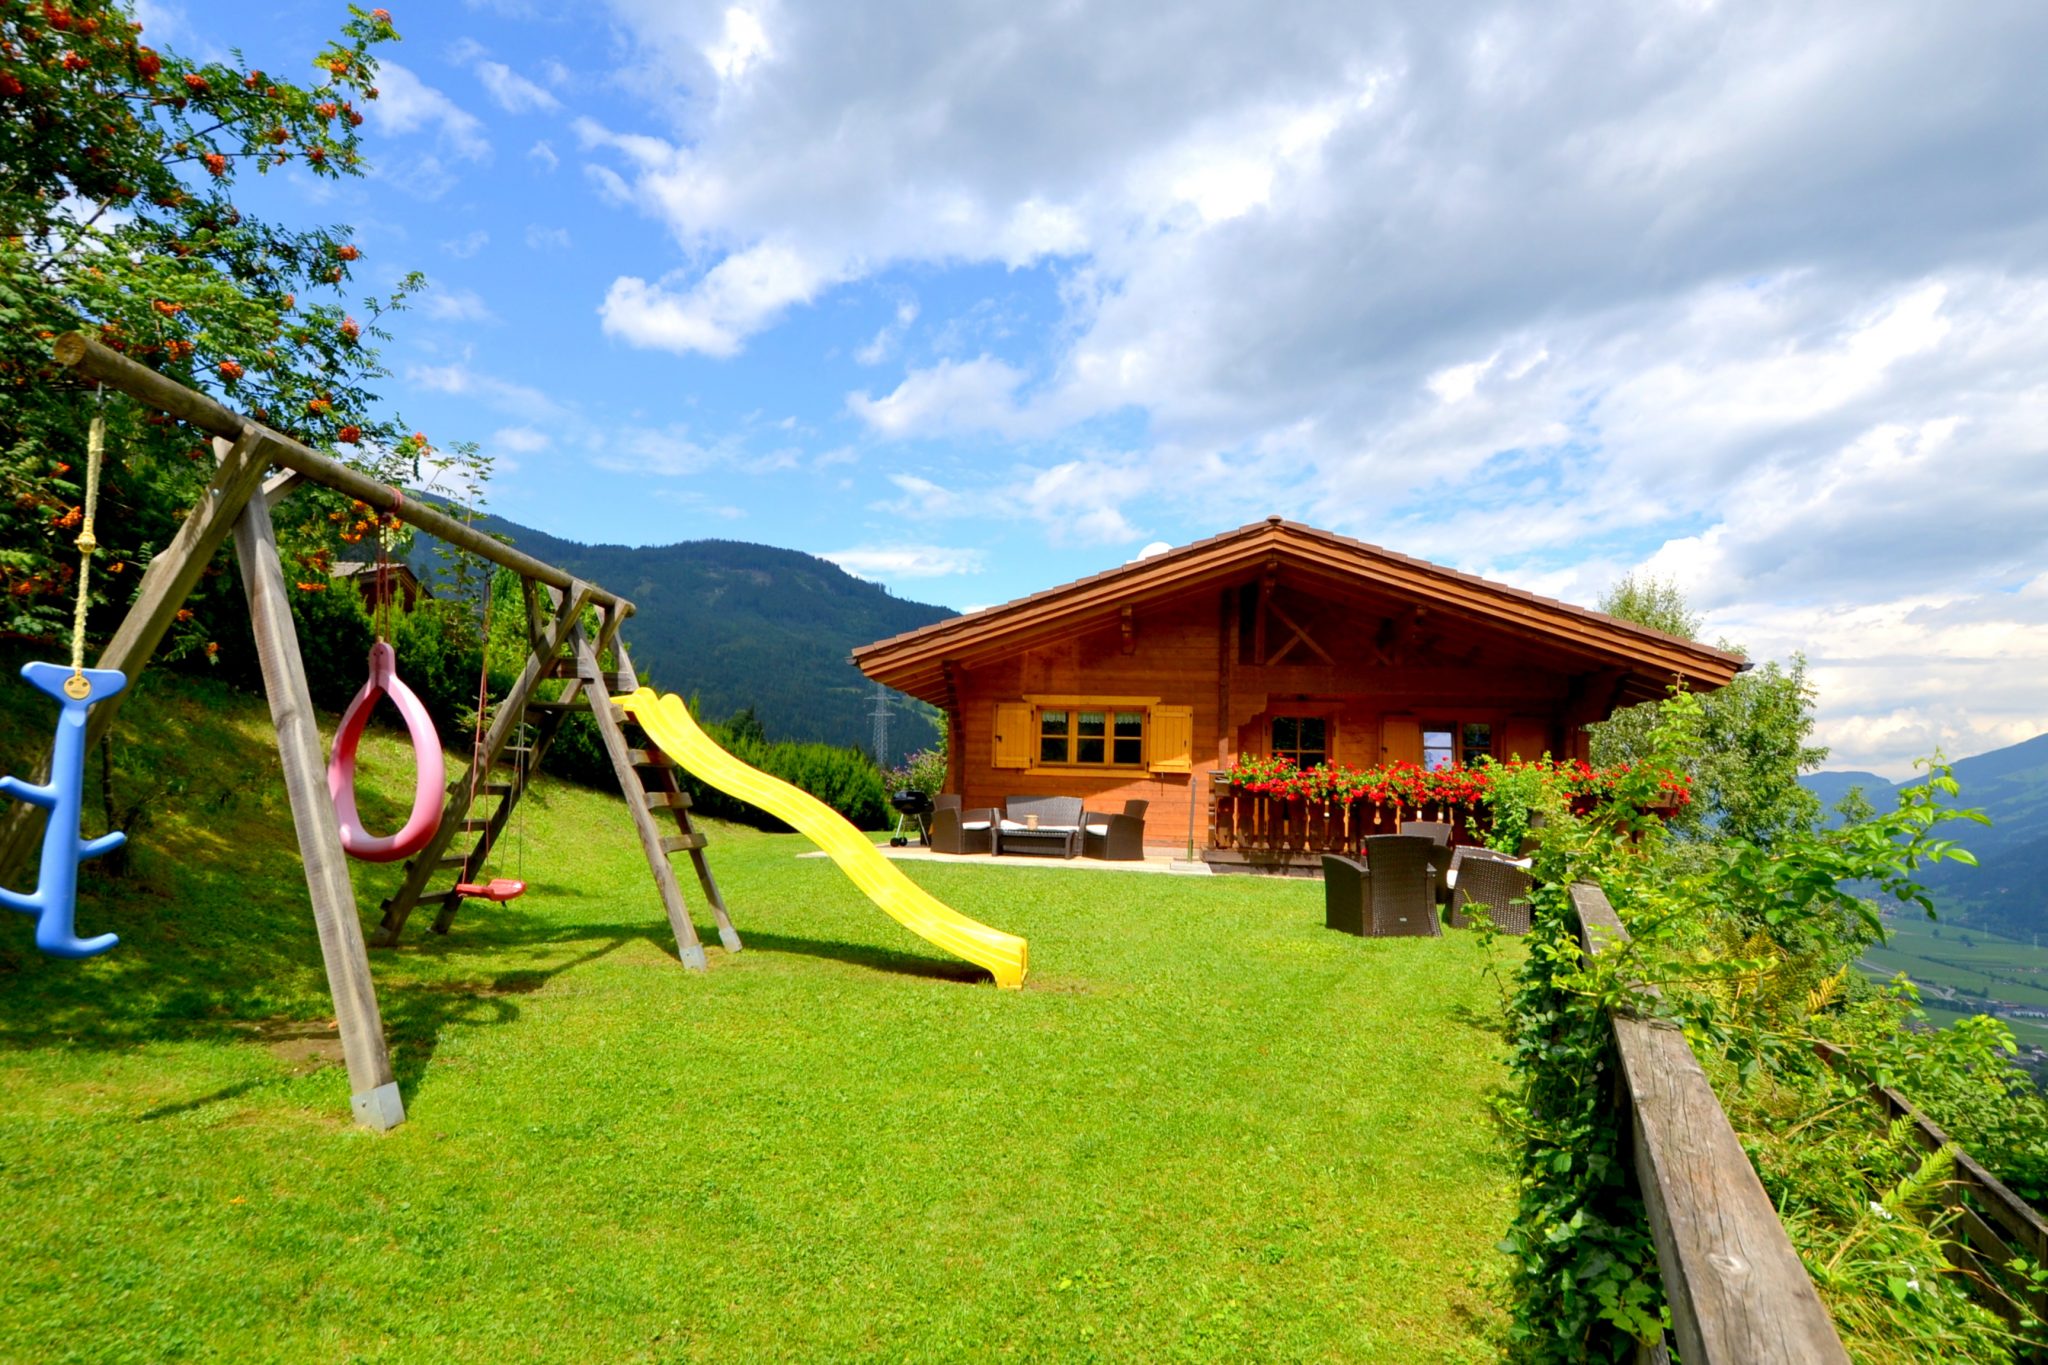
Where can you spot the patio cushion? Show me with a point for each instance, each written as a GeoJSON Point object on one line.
{"type": "Point", "coordinates": [1096, 829]}
{"type": "Point", "coordinates": [974, 824]}
{"type": "Point", "coordinates": [1018, 827]}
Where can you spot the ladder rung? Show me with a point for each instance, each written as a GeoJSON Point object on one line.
{"type": "Point", "coordinates": [672, 800]}
{"type": "Point", "coordinates": [495, 789]}
{"type": "Point", "coordinates": [682, 843]}
{"type": "Point", "coordinates": [451, 860]}
{"type": "Point", "coordinates": [576, 703]}
{"type": "Point", "coordinates": [649, 758]}
{"type": "Point", "coordinates": [472, 826]}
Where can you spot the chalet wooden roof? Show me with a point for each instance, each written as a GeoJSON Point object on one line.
{"type": "Point", "coordinates": [1645, 661]}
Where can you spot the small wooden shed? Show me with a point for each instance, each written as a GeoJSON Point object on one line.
{"type": "Point", "coordinates": [1276, 638]}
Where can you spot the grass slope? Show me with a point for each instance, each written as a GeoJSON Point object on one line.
{"type": "Point", "coordinates": [1208, 1128]}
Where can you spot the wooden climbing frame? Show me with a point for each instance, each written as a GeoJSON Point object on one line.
{"type": "Point", "coordinates": [240, 502]}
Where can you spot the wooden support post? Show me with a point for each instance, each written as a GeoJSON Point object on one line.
{"type": "Point", "coordinates": [166, 583]}
{"type": "Point", "coordinates": [688, 946]}
{"type": "Point", "coordinates": [373, 1089]}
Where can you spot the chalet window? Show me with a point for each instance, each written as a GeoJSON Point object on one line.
{"type": "Point", "coordinates": [1305, 739]}
{"type": "Point", "coordinates": [1448, 742]}
{"type": "Point", "coordinates": [1091, 737]}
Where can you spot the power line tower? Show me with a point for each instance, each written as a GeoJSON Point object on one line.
{"type": "Point", "coordinates": [881, 718]}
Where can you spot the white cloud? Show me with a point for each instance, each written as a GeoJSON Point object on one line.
{"type": "Point", "coordinates": [886, 341]}
{"type": "Point", "coordinates": [514, 93]}
{"type": "Point", "coordinates": [406, 104]}
{"type": "Point", "coordinates": [666, 452]}
{"type": "Point", "coordinates": [884, 562]}
{"type": "Point", "coordinates": [952, 396]}
{"type": "Point", "coordinates": [520, 440]}
{"type": "Point", "coordinates": [735, 298]}
{"type": "Point", "coordinates": [456, 305]}
{"type": "Point", "coordinates": [543, 155]}
{"type": "Point", "coordinates": [459, 379]}
{"type": "Point", "coordinates": [540, 238]}
{"type": "Point", "coordinates": [468, 244]}
{"type": "Point", "coordinates": [741, 45]}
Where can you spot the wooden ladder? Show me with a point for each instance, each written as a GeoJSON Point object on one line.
{"type": "Point", "coordinates": [559, 648]}
{"type": "Point", "coordinates": [647, 777]}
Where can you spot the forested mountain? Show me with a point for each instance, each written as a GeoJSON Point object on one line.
{"type": "Point", "coordinates": [739, 625]}
{"type": "Point", "coordinates": [2008, 890]}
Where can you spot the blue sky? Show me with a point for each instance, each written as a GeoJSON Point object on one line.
{"type": "Point", "coordinates": [1748, 296]}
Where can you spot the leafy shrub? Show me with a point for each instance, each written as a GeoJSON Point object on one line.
{"type": "Point", "coordinates": [923, 771]}
{"type": "Point", "coordinates": [1752, 951]}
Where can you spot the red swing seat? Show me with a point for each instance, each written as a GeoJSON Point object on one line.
{"type": "Point", "coordinates": [496, 889]}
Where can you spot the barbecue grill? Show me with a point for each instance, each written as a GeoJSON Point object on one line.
{"type": "Point", "coordinates": [912, 806]}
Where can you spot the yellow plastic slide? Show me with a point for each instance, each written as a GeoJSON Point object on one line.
{"type": "Point", "coordinates": [667, 722]}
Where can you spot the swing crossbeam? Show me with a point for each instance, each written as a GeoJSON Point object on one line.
{"type": "Point", "coordinates": [238, 502]}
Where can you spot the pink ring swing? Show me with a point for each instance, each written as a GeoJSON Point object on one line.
{"type": "Point", "coordinates": [430, 769]}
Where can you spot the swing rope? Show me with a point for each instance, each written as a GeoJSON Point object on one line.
{"type": "Point", "coordinates": [95, 455]}
{"type": "Point", "coordinates": [386, 578]}
{"type": "Point", "coordinates": [497, 888]}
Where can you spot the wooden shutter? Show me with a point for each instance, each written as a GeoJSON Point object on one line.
{"type": "Point", "coordinates": [1173, 739]}
{"type": "Point", "coordinates": [1402, 738]}
{"type": "Point", "coordinates": [1012, 735]}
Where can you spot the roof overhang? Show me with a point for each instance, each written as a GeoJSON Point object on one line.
{"type": "Point", "coordinates": [1647, 662]}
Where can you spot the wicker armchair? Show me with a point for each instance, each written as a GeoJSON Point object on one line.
{"type": "Point", "coordinates": [1498, 885]}
{"type": "Point", "coordinates": [961, 831]}
{"type": "Point", "coordinates": [1343, 895]}
{"type": "Point", "coordinates": [1465, 853]}
{"type": "Point", "coordinates": [1438, 831]}
{"type": "Point", "coordinates": [1401, 880]}
{"type": "Point", "coordinates": [1115, 838]}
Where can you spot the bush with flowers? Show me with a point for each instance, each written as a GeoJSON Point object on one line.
{"type": "Point", "coordinates": [1408, 790]}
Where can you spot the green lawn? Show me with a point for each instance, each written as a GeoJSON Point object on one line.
{"type": "Point", "coordinates": [1207, 1128]}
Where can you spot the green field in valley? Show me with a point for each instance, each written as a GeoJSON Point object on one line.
{"type": "Point", "coordinates": [1968, 962]}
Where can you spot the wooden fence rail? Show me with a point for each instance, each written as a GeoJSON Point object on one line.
{"type": "Point", "coordinates": [1737, 1289]}
{"type": "Point", "coordinates": [1996, 1224]}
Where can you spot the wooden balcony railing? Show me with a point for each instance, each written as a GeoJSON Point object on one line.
{"type": "Point", "coordinates": [1282, 827]}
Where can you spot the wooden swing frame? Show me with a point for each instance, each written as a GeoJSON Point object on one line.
{"type": "Point", "coordinates": [240, 501]}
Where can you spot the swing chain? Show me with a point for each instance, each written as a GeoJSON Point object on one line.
{"type": "Point", "coordinates": [76, 685]}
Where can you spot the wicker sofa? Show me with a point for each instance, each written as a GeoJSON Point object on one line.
{"type": "Point", "coordinates": [1044, 825]}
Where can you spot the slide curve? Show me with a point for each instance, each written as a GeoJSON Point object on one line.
{"type": "Point", "coordinates": [668, 723]}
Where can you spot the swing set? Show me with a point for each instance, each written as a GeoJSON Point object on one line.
{"type": "Point", "coordinates": [505, 753]}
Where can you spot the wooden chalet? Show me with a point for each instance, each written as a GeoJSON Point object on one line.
{"type": "Point", "coordinates": [1272, 639]}
{"type": "Point", "coordinates": [397, 581]}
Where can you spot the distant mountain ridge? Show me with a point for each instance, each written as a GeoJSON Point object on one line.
{"type": "Point", "coordinates": [736, 624]}
{"type": "Point", "coordinates": [2007, 891]}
